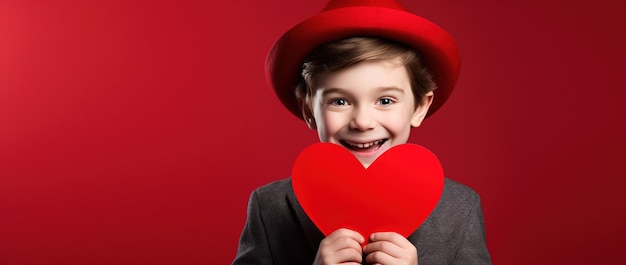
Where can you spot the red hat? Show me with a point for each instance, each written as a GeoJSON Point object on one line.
{"type": "Point", "coordinates": [374, 18]}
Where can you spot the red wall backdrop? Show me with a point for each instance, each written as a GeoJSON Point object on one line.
{"type": "Point", "coordinates": [132, 132]}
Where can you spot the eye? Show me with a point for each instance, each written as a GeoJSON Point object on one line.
{"type": "Point", "coordinates": [338, 102]}
{"type": "Point", "coordinates": [385, 101]}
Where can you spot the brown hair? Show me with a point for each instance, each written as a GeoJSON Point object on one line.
{"type": "Point", "coordinates": [344, 53]}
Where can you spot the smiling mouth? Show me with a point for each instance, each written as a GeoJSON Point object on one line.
{"type": "Point", "coordinates": [363, 147]}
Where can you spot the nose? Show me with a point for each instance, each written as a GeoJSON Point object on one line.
{"type": "Point", "coordinates": [362, 119]}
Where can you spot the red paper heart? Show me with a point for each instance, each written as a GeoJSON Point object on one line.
{"type": "Point", "coordinates": [395, 193]}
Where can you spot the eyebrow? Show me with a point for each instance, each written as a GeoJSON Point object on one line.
{"type": "Point", "coordinates": [390, 88]}
{"type": "Point", "coordinates": [380, 89]}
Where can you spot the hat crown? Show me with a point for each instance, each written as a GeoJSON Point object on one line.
{"type": "Point", "coordinates": [336, 4]}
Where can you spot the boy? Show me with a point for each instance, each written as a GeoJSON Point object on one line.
{"type": "Point", "coordinates": [362, 73]}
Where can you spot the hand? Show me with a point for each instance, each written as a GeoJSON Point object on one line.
{"type": "Point", "coordinates": [387, 248]}
{"type": "Point", "coordinates": [340, 247]}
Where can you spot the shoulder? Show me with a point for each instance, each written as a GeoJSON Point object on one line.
{"type": "Point", "coordinates": [456, 204]}
{"type": "Point", "coordinates": [275, 188]}
{"type": "Point", "coordinates": [456, 191]}
{"type": "Point", "coordinates": [273, 197]}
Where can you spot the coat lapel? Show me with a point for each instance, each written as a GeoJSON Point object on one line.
{"type": "Point", "coordinates": [312, 233]}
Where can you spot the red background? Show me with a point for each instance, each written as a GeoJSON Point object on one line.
{"type": "Point", "coordinates": [132, 132]}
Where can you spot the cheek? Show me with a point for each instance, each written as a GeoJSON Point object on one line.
{"type": "Point", "coordinates": [398, 124]}
{"type": "Point", "coordinates": [333, 121]}
{"type": "Point", "coordinates": [328, 124]}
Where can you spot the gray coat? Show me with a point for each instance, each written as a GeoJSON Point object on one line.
{"type": "Point", "coordinates": [277, 230]}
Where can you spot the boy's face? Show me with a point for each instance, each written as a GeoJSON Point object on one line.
{"type": "Point", "coordinates": [366, 108]}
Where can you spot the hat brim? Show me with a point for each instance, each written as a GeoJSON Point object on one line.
{"type": "Point", "coordinates": [438, 51]}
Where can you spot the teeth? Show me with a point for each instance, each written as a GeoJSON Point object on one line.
{"type": "Point", "coordinates": [365, 145]}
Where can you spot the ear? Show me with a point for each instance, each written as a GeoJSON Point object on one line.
{"type": "Point", "coordinates": [307, 114]}
{"type": "Point", "coordinates": [420, 112]}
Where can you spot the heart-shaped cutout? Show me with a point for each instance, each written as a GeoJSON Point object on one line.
{"type": "Point", "coordinates": [396, 193]}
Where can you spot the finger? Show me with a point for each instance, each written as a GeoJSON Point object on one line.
{"type": "Point", "coordinates": [385, 247]}
{"type": "Point", "coordinates": [337, 244]}
{"type": "Point", "coordinates": [343, 245]}
{"type": "Point", "coordinates": [392, 237]}
{"type": "Point", "coordinates": [345, 255]}
{"type": "Point", "coordinates": [379, 257]}
{"type": "Point", "coordinates": [331, 255]}
{"type": "Point", "coordinates": [390, 248]}
{"type": "Point", "coordinates": [344, 232]}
